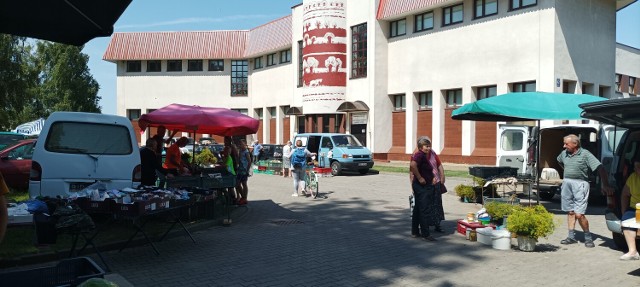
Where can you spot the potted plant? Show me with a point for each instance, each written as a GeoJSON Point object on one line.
{"type": "Point", "coordinates": [465, 192]}
{"type": "Point", "coordinates": [498, 210]}
{"type": "Point", "coordinates": [206, 158]}
{"type": "Point", "coordinates": [530, 223]}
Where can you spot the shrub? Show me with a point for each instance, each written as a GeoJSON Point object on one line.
{"type": "Point", "coordinates": [463, 191]}
{"type": "Point", "coordinates": [206, 157]}
{"type": "Point", "coordinates": [533, 221]}
{"type": "Point", "coordinates": [498, 210]}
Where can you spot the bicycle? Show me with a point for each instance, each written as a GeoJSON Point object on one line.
{"type": "Point", "coordinates": [311, 181]}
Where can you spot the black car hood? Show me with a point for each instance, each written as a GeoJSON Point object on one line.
{"type": "Point", "coordinates": [620, 112]}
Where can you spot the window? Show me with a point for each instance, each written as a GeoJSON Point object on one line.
{"type": "Point", "coordinates": [257, 63]}
{"type": "Point", "coordinates": [105, 139]}
{"type": "Point", "coordinates": [359, 51]}
{"type": "Point", "coordinates": [632, 84]}
{"type": "Point", "coordinates": [154, 66]}
{"type": "Point", "coordinates": [272, 112]}
{"type": "Point", "coordinates": [242, 111]}
{"type": "Point", "coordinates": [425, 100]}
{"type": "Point", "coordinates": [452, 15]}
{"type": "Point", "coordinates": [258, 112]}
{"type": "Point", "coordinates": [300, 67]}
{"type": "Point", "coordinates": [239, 77]}
{"type": "Point", "coordinates": [485, 8]}
{"type": "Point", "coordinates": [133, 114]}
{"type": "Point", "coordinates": [512, 140]}
{"type": "Point", "coordinates": [285, 56]}
{"type": "Point", "coordinates": [174, 66]}
{"type": "Point", "coordinates": [398, 28]}
{"type": "Point", "coordinates": [271, 59]}
{"type": "Point", "coordinates": [524, 87]}
{"type": "Point", "coordinates": [486, 92]}
{"type": "Point", "coordinates": [134, 66]}
{"type": "Point", "coordinates": [216, 65]}
{"type": "Point", "coordinates": [618, 83]}
{"type": "Point", "coordinates": [423, 22]}
{"type": "Point", "coordinates": [194, 65]}
{"type": "Point", "coordinates": [519, 4]}
{"type": "Point", "coordinates": [399, 103]}
{"type": "Point", "coordinates": [284, 110]}
{"type": "Point", "coordinates": [454, 97]}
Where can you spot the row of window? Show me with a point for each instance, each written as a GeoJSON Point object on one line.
{"type": "Point", "coordinates": [284, 56]}
{"type": "Point", "coordinates": [630, 87]}
{"type": "Point", "coordinates": [453, 97]}
{"type": "Point", "coordinates": [454, 14]}
{"type": "Point", "coordinates": [174, 66]}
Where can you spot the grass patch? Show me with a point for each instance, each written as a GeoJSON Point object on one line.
{"type": "Point", "coordinates": [402, 169]}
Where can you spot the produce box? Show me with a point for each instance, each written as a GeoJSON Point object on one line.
{"type": "Point", "coordinates": [463, 225]}
{"type": "Point", "coordinates": [134, 209]}
{"type": "Point", "coordinates": [90, 206]}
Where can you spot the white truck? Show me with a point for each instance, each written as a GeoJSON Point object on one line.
{"type": "Point", "coordinates": [534, 151]}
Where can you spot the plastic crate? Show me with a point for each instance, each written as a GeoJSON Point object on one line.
{"type": "Point", "coordinates": [493, 171]}
{"type": "Point", "coordinates": [69, 272]}
{"type": "Point", "coordinates": [219, 182]}
{"type": "Point", "coordinates": [463, 225]}
{"type": "Point", "coordinates": [181, 181]}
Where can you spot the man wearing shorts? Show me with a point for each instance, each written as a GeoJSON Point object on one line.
{"type": "Point", "coordinates": [577, 162]}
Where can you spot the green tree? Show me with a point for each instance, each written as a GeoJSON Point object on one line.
{"type": "Point", "coordinates": [18, 79]}
{"type": "Point", "coordinates": [66, 83]}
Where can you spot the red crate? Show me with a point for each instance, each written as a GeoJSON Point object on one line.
{"type": "Point", "coordinates": [322, 170]}
{"type": "Point", "coordinates": [463, 225]}
{"type": "Point", "coordinates": [262, 168]}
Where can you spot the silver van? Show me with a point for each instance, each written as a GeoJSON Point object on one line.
{"type": "Point", "coordinates": [75, 150]}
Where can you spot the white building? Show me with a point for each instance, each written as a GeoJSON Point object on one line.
{"type": "Point", "coordinates": [386, 71]}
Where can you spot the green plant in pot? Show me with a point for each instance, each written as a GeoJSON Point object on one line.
{"type": "Point", "coordinates": [206, 158]}
{"type": "Point", "coordinates": [530, 223]}
{"type": "Point", "coordinates": [465, 192]}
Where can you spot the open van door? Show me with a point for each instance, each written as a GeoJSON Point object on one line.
{"type": "Point", "coordinates": [512, 147]}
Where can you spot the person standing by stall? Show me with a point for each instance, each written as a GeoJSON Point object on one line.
{"type": "Point", "coordinates": [173, 163]}
{"type": "Point", "coordinates": [242, 177]}
{"type": "Point", "coordinates": [150, 165]}
{"type": "Point", "coordinates": [299, 158]}
{"type": "Point", "coordinates": [160, 141]}
{"type": "Point", "coordinates": [424, 192]}
{"type": "Point", "coordinates": [576, 163]}
{"type": "Point", "coordinates": [286, 159]}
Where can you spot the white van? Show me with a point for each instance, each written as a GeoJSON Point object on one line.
{"type": "Point", "coordinates": [517, 146]}
{"type": "Point", "coordinates": [75, 150]}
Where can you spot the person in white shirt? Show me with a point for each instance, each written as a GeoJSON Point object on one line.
{"type": "Point", "coordinates": [286, 159]}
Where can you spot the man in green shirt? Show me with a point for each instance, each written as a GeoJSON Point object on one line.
{"type": "Point", "coordinates": [577, 163]}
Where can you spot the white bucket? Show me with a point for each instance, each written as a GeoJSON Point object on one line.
{"type": "Point", "coordinates": [484, 235]}
{"type": "Point", "coordinates": [501, 239]}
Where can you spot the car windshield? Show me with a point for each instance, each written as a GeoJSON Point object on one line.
{"type": "Point", "coordinates": [88, 138]}
{"type": "Point", "coordinates": [346, 141]}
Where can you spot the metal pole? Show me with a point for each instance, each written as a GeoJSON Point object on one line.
{"type": "Point", "coordinates": [536, 167]}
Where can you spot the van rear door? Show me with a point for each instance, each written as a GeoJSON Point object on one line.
{"type": "Point", "coordinates": [511, 150]}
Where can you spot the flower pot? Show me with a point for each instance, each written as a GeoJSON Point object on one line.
{"type": "Point", "coordinates": [526, 243]}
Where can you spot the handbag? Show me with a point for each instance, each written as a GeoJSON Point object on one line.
{"type": "Point", "coordinates": [443, 189]}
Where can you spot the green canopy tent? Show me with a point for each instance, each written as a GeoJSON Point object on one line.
{"type": "Point", "coordinates": [526, 106]}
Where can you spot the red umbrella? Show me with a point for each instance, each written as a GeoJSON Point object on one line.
{"type": "Point", "coordinates": [202, 120]}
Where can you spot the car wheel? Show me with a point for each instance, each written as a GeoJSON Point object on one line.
{"type": "Point", "coordinates": [363, 171]}
{"type": "Point", "coordinates": [546, 195]}
{"type": "Point", "coordinates": [336, 168]}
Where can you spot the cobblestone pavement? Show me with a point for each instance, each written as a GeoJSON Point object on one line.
{"type": "Point", "coordinates": [357, 234]}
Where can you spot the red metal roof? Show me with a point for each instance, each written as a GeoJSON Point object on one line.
{"type": "Point", "coordinates": [200, 45]}
{"type": "Point", "coordinates": [390, 8]}
{"type": "Point", "coordinates": [274, 35]}
{"type": "Point", "coordinates": [176, 45]}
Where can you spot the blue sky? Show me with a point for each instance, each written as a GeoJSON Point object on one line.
{"type": "Point", "coordinates": [202, 15]}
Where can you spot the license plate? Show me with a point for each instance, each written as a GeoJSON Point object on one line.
{"type": "Point", "coordinates": [78, 186]}
{"type": "Point", "coordinates": [362, 164]}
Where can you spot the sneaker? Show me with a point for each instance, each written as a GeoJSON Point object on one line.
{"type": "Point", "coordinates": [295, 194]}
{"type": "Point", "coordinates": [589, 244]}
{"type": "Point", "coordinates": [627, 257]}
{"type": "Point", "coordinates": [569, 240]}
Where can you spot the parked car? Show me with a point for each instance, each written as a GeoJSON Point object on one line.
{"type": "Point", "coordinates": [15, 163]}
{"type": "Point", "coordinates": [75, 150]}
{"type": "Point", "coordinates": [347, 152]}
{"type": "Point", "coordinates": [272, 151]}
{"type": "Point", "coordinates": [10, 138]}
{"type": "Point", "coordinates": [625, 139]}
{"type": "Point", "coordinates": [206, 141]}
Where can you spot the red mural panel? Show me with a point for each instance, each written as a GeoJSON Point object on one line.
{"type": "Point", "coordinates": [272, 131]}
{"type": "Point", "coordinates": [425, 124]}
{"type": "Point", "coordinates": [286, 130]}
